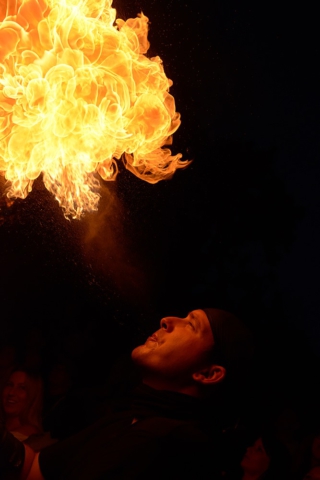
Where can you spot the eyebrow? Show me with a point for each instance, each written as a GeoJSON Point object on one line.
{"type": "Point", "coordinates": [195, 319]}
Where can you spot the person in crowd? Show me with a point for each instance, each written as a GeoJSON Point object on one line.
{"type": "Point", "coordinates": [266, 459]}
{"type": "Point", "coordinates": [310, 456]}
{"type": "Point", "coordinates": [22, 397]}
{"type": "Point", "coordinates": [315, 450]}
{"type": "Point", "coordinates": [164, 430]}
{"type": "Point", "coordinates": [313, 474]}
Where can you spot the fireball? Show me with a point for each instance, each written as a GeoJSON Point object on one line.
{"type": "Point", "coordinates": [77, 95]}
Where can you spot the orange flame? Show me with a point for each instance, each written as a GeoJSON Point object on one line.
{"type": "Point", "coordinates": [77, 94]}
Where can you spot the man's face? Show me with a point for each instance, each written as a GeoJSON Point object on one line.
{"type": "Point", "coordinates": [178, 349]}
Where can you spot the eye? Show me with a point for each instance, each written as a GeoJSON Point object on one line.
{"type": "Point", "coordinates": [192, 326]}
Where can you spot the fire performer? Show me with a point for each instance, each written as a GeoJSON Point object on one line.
{"type": "Point", "coordinates": [186, 367]}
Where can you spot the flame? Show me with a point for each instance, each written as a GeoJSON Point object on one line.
{"type": "Point", "coordinates": [77, 94]}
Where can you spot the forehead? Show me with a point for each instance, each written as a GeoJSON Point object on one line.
{"type": "Point", "coordinates": [19, 377]}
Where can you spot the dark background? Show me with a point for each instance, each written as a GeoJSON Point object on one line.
{"type": "Point", "coordinates": [237, 229]}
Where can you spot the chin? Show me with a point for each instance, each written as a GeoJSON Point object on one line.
{"type": "Point", "coordinates": [137, 352]}
{"type": "Point", "coordinates": [12, 412]}
{"type": "Point", "coordinates": [142, 357]}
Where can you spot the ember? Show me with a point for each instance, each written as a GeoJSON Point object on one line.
{"type": "Point", "coordinates": [77, 94]}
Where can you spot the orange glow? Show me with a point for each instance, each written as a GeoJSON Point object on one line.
{"type": "Point", "coordinates": [77, 94]}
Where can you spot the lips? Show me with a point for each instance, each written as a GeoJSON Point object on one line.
{"type": "Point", "coordinates": [153, 338]}
{"type": "Point", "coordinates": [10, 405]}
{"type": "Point", "coordinates": [152, 341]}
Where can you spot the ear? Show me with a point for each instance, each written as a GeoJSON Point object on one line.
{"type": "Point", "coordinates": [210, 375]}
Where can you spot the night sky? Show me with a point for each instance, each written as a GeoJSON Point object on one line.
{"type": "Point", "coordinates": [237, 229]}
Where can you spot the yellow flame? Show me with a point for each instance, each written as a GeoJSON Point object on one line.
{"type": "Point", "coordinates": [77, 94]}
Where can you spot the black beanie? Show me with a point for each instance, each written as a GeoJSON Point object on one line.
{"type": "Point", "coordinates": [233, 341]}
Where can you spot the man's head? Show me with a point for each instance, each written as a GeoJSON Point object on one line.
{"type": "Point", "coordinates": [190, 353]}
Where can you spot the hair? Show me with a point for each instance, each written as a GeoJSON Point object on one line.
{"type": "Point", "coordinates": [34, 384]}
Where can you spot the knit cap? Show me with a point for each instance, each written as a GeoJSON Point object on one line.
{"type": "Point", "coordinates": [233, 341]}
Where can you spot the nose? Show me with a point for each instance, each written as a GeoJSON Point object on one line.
{"type": "Point", "coordinates": [9, 394]}
{"type": "Point", "coordinates": [168, 323]}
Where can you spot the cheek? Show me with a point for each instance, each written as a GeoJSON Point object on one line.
{"type": "Point", "coordinates": [23, 399]}
{"type": "Point", "coordinates": [24, 396]}
{"type": "Point", "coordinates": [264, 462]}
{"type": "Point", "coordinates": [191, 345]}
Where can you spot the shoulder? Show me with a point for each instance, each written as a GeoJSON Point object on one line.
{"type": "Point", "coordinates": [25, 431]}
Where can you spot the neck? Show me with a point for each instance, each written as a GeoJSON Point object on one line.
{"type": "Point", "coordinates": [13, 424]}
{"type": "Point", "coordinates": [159, 384]}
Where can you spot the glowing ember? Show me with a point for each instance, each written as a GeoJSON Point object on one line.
{"type": "Point", "coordinates": [77, 93]}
